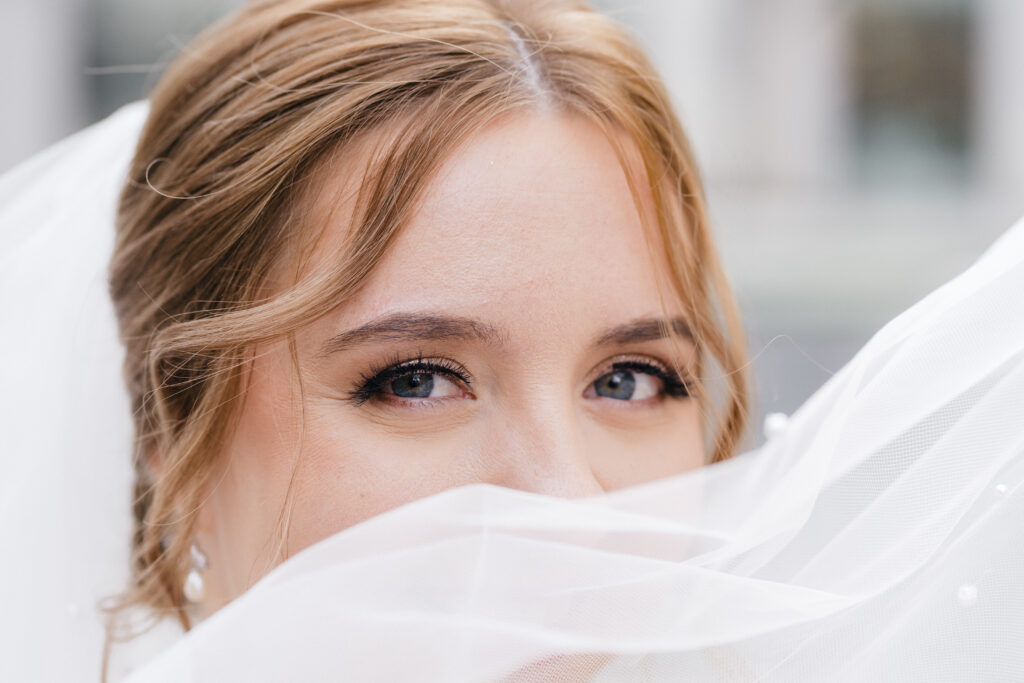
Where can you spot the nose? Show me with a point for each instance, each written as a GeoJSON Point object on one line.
{"type": "Point", "coordinates": [539, 449]}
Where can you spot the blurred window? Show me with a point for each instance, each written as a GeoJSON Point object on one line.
{"type": "Point", "coordinates": [911, 71]}
{"type": "Point", "coordinates": [132, 41]}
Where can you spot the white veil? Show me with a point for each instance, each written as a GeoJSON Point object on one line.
{"type": "Point", "coordinates": [879, 537]}
{"type": "Point", "coordinates": [65, 445]}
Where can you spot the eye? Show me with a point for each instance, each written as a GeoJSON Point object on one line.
{"type": "Point", "coordinates": [625, 385]}
{"type": "Point", "coordinates": [413, 381]}
{"type": "Point", "coordinates": [635, 380]}
{"type": "Point", "coordinates": [422, 385]}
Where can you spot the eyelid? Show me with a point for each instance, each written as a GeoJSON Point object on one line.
{"type": "Point", "coordinates": [623, 360]}
{"type": "Point", "coordinates": [371, 383]}
{"type": "Point", "coordinates": [675, 382]}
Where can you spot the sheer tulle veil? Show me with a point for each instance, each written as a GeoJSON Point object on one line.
{"type": "Point", "coordinates": [878, 537]}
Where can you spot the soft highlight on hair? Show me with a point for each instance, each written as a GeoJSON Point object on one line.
{"type": "Point", "coordinates": [237, 126]}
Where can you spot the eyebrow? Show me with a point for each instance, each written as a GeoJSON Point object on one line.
{"type": "Point", "coordinates": [414, 326]}
{"type": "Point", "coordinates": [644, 329]}
{"type": "Point", "coordinates": [439, 327]}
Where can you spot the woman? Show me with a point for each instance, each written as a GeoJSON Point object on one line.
{"type": "Point", "coordinates": [399, 283]}
{"type": "Point", "coordinates": [362, 238]}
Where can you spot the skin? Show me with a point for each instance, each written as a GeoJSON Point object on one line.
{"type": "Point", "coordinates": [529, 230]}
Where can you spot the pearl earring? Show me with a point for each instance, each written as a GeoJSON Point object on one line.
{"type": "Point", "coordinates": [194, 587]}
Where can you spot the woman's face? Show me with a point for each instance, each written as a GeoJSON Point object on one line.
{"type": "Point", "coordinates": [509, 336]}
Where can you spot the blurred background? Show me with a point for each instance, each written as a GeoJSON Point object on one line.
{"type": "Point", "coordinates": [857, 153]}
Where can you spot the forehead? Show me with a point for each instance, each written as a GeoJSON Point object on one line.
{"type": "Point", "coordinates": [533, 213]}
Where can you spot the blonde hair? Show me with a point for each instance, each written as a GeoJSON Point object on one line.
{"type": "Point", "coordinates": [237, 125]}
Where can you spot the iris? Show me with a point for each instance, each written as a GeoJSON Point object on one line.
{"type": "Point", "coordinates": [417, 385]}
{"type": "Point", "coordinates": [619, 385]}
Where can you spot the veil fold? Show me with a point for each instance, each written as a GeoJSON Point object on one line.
{"type": "Point", "coordinates": [877, 537]}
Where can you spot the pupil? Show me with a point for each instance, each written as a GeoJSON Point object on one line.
{"type": "Point", "coordinates": [417, 385]}
{"type": "Point", "coordinates": [619, 385]}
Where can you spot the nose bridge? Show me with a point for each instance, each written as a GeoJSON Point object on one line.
{"type": "Point", "coordinates": [540, 450]}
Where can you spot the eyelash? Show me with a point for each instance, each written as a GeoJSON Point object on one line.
{"type": "Point", "coordinates": [376, 379]}
{"type": "Point", "coordinates": [674, 384]}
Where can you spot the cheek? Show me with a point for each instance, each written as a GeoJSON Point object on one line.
{"type": "Point", "coordinates": [351, 470]}
{"type": "Point", "coordinates": [246, 504]}
{"type": "Point", "coordinates": [338, 467]}
{"type": "Point", "coordinates": [624, 456]}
